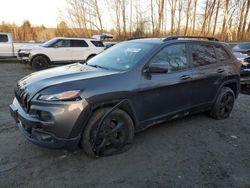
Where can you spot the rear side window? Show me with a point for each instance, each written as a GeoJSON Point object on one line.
{"type": "Point", "coordinates": [3, 38]}
{"type": "Point", "coordinates": [203, 55]}
{"type": "Point", "coordinates": [221, 53]}
{"type": "Point", "coordinates": [78, 43]}
{"type": "Point", "coordinates": [175, 56]}
{"type": "Point", "coordinates": [97, 43]}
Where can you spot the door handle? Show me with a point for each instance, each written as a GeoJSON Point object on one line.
{"type": "Point", "coordinates": [185, 77]}
{"type": "Point", "coordinates": [220, 70]}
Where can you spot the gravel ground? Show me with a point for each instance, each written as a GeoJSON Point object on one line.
{"type": "Point", "coordinates": [192, 152]}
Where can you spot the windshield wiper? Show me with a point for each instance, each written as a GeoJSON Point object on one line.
{"type": "Point", "coordinates": [98, 66]}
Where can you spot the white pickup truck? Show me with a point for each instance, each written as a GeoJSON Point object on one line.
{"type": "Point", "coordinates": [9, 49]}
{"type": "Point", "coordinates": [60, 50]}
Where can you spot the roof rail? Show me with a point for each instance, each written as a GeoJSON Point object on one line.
{"type": "Point", "coordinates": [189, 37]}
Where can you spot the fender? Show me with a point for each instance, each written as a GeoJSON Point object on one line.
{"type": "Point", "coordinates": [231, 81]}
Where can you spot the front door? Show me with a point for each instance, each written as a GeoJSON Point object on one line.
{"type": "Point", "coordinates": [162, 94]}
{"type": "Point", "coordinates": [60, 51]}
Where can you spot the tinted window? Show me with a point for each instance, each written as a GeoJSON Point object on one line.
{"type": "Point", "coordinates": [97, 43]}
{"type": "Point", "coordinates": [62, 43]}
{"type": "Point", "coordinates": [221, 53]}
{"type": "Point", "coordinates": [79, 43]}
{"type": "Point", "coordinates": [3, 38]}
{"type": "Point", "coordinates": [175, 56]}
{"type": "Point", "coordinates": [203, 55]}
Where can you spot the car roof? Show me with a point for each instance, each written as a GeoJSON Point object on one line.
{"type": "Point", "coordinates": [77, 38]}
{"type": "Point", "coordinates": [161, 41]}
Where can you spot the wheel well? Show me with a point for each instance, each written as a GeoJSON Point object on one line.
{"type": "Point", "coordinates": [43, 55]}
{"type": "Point", "coordinates": [91, 55]}
{"type": "Point", "coordinates": [233, 86]}
{"type": "Point", "coordinates": [126, 107]}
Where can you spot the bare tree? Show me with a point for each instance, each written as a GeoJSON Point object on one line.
{"type": "Point", "coordinates": [245, 17]}
{"type": "Point", "coordinates": [216, 16]}
{"type": "Point", "coordinates": [180, 6]}
{"type": "Point", "coordinates": [225, 19]}
{"type": "Point", "coordinates": [160, 16]}
{"type": "Point", "coordinates": [123, 8]}
{"type": "Point", "coordinates": [187, 16]}
{"type": "Point", "coordinates": [172, 4]}
{"type": "Point", "coordinates": [152, 16]}
{"type": "Point", "coordinates": [194, 16]}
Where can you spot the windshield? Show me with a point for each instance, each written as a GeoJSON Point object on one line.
{"type": "Point", "coordinates": [49, 43]}
{"type": "Point", "coordinates": [122, 56]}
{"type": "Point", "coordinates": [242, 46]}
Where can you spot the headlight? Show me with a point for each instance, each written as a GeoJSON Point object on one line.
{"type": "Point", "coordinates": [26, 51]}
{"type": "Point", "coordinates": [67, 95]}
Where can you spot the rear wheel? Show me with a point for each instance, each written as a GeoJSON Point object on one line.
{"type": "Point", "coordinates": [223, 105]}
{"type": "Point", "coordinates": [39, 63]}
{"type": "Point", "coordinates": [115, 134]}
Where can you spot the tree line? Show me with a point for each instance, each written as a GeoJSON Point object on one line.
{"type": "Point", "coordinates": [228, 20]}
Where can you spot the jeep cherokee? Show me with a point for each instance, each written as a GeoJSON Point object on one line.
{"type": "Point", "coordinates": [99, 105]}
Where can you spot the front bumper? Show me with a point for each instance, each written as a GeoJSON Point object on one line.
{"type": "Point", "coordinates": [23, 57]}
{"type": "Point", "coordinates": [64, 128]}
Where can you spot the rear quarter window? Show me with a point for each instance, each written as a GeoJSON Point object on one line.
{"type": "Point", "coordinates": [97, 43]}
{"type": "Point", "coordinates": [78, 43]}
{"type": "Point", "coordinates": [203, 54]}
{"type": "Point", "coordinates": [3, 38]}
{"type": "Point", "coordinates": [222, 54]}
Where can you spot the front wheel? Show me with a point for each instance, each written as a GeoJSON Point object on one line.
{"type": "Point", "coordinates": [115, 135]}
{"type": "Point", "coordinates": [223, 105]}
{"type": "Point", "coordinates": [39, 63]}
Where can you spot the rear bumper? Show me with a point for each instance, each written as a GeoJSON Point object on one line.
{"type": "Point", "coordinates": [50, 134]}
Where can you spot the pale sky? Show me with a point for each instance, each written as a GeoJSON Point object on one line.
{"type": "Point", "coordinates": [37, 11]}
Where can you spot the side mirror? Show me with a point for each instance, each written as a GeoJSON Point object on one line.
{"type": "Point", "coordinates": [156, 68]}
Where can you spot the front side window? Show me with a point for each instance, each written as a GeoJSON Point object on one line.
{"type": "Point", "coordinates": [62, 43]}
{"type": "Point", "coordinates": [203, 55]}
{"type": "Point", "coordinates": [78, 43]}
{"type": "Point", "coordinates": [3, 38]}
{"type": "Point", "coordinates": [122, 56]}
{"type": "Point", "coordinates": [175, 56]}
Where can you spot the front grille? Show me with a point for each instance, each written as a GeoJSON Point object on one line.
{"type": "Point", "coordinates": [22, 97]}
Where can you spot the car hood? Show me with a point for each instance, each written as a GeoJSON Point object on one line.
{"type": "Point", "coordinates": [40, 80]}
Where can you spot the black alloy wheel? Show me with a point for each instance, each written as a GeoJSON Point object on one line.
{"type": "Point", "coordinates": [39, 63]}
{"type": "Point", "coordinates": [115, 134]}
{"type": "Point", "coordinates": [224, 104]}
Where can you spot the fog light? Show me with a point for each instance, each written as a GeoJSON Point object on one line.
{"type": "Point", "coordinates": [44, 116]}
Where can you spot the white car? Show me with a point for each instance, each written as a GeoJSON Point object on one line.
{"type": "Point", "coordinates": [60, 50]}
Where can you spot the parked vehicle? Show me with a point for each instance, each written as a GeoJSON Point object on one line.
{"type": "Point", "coordinates": [109, 44]}
{"type": "Point", "coordinates": [245, 61]}
{"type": "Point", "coordinates": [8, 49]}
{"type": "Point", "coordinates": [60, 50]}
{"type": "Point", "coordinates": [131, 86]}
{"type": "Point", "coordinates": [243, 48]}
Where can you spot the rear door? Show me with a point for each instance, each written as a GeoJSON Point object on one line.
{"type": "Point", "coordinates": [162, 94]}
{"type": "Point", "coordinates": [80, 49]}
{"type": "Point", "coordinates": [208, 75]}
{"type": "Point", "coordinates": [6, 46]}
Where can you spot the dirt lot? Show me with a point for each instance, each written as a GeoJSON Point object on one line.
{"type": "Point", "coordinates": [192, 152]}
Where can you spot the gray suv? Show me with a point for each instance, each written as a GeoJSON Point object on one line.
{"type": "Point", "coordinates": [100, 105]}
